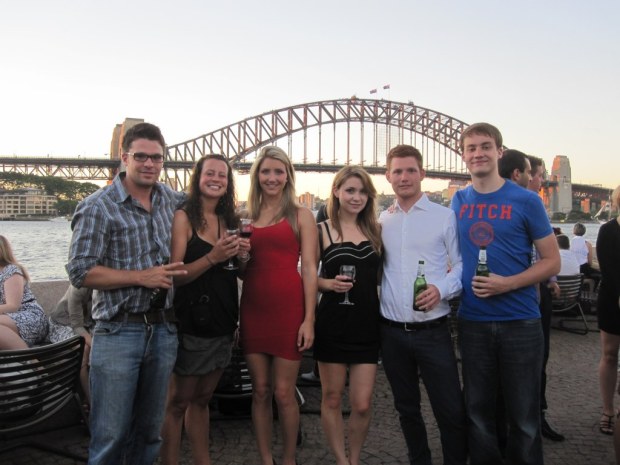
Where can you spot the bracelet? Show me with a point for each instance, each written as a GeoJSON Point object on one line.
{"type": "Point", "coordinates": [209, 260]}
{"type": "Point", "coordinates": [244, 258]}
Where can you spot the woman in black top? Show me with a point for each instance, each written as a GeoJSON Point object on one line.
{"type": "Point", "coordinates": [206, 304]}
{"type": "Point", "coordinates": [608, 313]}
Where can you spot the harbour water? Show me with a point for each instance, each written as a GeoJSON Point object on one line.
{"type": "Point", "coordinates": [43, 246]}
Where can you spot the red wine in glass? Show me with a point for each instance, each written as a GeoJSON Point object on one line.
{"type": "Point", "coordinates": [246, 228]}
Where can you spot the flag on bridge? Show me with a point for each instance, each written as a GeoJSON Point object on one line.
{"type": "Point", "coordinates": [373, 91]}
{"type": "Point", "coordinates": [386, 87]}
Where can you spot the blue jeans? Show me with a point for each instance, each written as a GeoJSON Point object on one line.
{"type": "Point", "coordinates": [427, 352]}
{"type": "Point", "coordinates": [130, 364]}
{"type": "Point", "coordinates": [508, 355]}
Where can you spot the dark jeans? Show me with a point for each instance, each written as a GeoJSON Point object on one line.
{"type": "Point", "coordinates": [427, 353]}
{"type": "Point", "coordinates": [507, 354]}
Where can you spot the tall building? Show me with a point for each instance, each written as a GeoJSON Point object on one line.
{"type": "Point", "coordinates": [562, 197]}
{"type": "Point", "coordinates": [307, 200]}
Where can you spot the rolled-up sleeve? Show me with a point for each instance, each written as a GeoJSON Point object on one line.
{"type": "Point", "coordinates": [89, 241]}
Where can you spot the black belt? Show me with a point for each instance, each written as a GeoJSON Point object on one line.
{"type": "Point", "coordinates": [415, 326]}
{"type": "Point", "coordinates": [149, 318]}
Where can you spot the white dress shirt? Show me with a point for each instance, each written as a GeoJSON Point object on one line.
{"type": "Point", "coordinates": [426, 232]}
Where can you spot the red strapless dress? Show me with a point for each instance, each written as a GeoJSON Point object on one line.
{"type": "Point", "coordinates": [272, 302]}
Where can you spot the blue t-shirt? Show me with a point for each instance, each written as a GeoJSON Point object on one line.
{"type": "Point", "coordinates": [506, 221]}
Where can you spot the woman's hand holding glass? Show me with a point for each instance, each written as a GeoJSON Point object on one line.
{"type": "Point", "coordinates": [347, 272]}
{"type": "Point", "coordinates": [224, 249]}
{"type": "Point", "coordinates": [344, 281]}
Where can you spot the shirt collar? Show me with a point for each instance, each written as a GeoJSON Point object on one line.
{"type": "Point", "coordinates": [421, 204]}
{"type": "Point", "coordinates": [120, 194]}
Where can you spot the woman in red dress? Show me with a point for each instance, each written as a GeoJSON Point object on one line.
{"type": "Point", "coordinates": [278, 302]}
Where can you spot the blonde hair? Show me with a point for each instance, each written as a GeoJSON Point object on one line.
{"type": "Point", "coordinates": [367, 218]}
{"type": "Point", "coordinates": [7, 257]}
{"type": "Point", "coordinates": [289, 206]}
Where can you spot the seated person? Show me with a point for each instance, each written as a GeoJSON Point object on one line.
{"type": "Point", "coordinates": [71, 317]}
{"type": "Point", "coordinates": [22, 320]}
{"type": "Point", "coordinates": [582, 249]}
{"type": "Point", "coordinates": [570, 265]}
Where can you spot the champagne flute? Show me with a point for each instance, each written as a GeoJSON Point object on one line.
{"type": "Point", "coordinates": [349, 272]}
{"type": "Point", "coordinates": [231, 265]}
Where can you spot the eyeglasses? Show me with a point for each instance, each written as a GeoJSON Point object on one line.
{"type": "Point", "coordinates": [142, 157]}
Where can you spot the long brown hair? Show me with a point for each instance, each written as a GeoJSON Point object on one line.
{"type": "Point", "coordinates": [367, 218]}
{"type": "Point", "coordinates": [7, 257]}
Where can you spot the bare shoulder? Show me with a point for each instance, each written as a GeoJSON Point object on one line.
{"type": "Point", "coordinates": [305, 216]}
{"type": "Point", "coordinates": [181, 216]}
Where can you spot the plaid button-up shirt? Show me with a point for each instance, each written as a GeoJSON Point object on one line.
{"type": "Point", "coordinates": [112, 229]}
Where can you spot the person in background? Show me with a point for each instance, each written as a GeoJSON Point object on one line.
{"type": "Point", "coordinates": [569, 266]}
{"type": "Point", "coordinates": [500, 332]}
{"type": "Point", "coordinates": [120, 246]}
{"type": "Point", "coordinates": [22, 320]}
{"type": "Point", "coordinates": [537, 173]}
{"type": "Point", "coordinates": [608, 312]}
{"type": "Point", "coordinates": [546, 290]}
{"type": "Point", "coordinates": [347, 336]}
{"type": "Point", "coordinates": [71, 317]}
{"type": "Point", "coordinates": [205, 302]}
{"type": "Point", "coordinates": [515, 165]}
{"type": "Point", "coordinates": [313, 376]}
{"type": "Point", "coordinates": [582, 249]}
{"type": "Point", "coordinates": [417, 343]}
{"type": "Point", "coordinates": [277, 303]}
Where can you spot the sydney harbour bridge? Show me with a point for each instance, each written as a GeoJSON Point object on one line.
{"type": "Point", "coordinates": [319, 137]}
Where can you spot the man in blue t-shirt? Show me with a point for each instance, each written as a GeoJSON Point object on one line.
{"type": "Point", "coordinates": [499, 321]}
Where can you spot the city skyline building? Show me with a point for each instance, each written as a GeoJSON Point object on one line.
{"type": "Point", "coordinates": [562, 198]}
{"type": "Point", "coordinates": [26, 202]}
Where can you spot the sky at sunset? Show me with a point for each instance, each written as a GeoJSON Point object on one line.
{"type": "Point", "coordinates": [546, 73]}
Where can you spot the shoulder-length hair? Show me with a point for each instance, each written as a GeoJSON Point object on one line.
{"type": "Point", "coordinates": [7, 257]}
{"type": "Point", "coordinates": [288, 209]}
{"type": "Point", "coordinates": [225, 206]}
{"type": "Point", "coordinates": [367, 218]}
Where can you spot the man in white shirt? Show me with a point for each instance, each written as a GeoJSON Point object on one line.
{"type": "Point", "coordinates": [418, 343]}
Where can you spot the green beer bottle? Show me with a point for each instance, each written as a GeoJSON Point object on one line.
{"type": "Point", "coordinates": [482, 269]}
{"type": "Point", "coordinates": [419, 285]}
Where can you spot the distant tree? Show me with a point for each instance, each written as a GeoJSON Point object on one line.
{"type": "Point", "coordinates": [63, 189]}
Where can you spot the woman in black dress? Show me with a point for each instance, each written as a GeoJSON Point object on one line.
{"type": "Point", "coordinates": [347, 336]}
{"type": "Point", "coordinates": [608, 311]}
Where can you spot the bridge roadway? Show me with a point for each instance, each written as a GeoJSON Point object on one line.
{"type": "Point", "coordinates": [104, 169]}
{"type": "Point", "coordinates": [88, 169]}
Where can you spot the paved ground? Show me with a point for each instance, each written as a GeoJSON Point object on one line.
{"type": "Point", "coordinates": [574, 411]}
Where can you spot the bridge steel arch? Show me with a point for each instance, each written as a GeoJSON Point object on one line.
{"type": "Point", "coordinates": [325, 135]}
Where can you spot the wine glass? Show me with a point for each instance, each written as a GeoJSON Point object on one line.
{"type": "Point", "coordinates": [349, 272]}
{"type": "Point", "coordinates": [246, 228]}
{"type": "Point", "coordinates": [231, 265]}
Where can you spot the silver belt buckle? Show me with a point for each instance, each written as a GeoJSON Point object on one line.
{"type": "Point", "coordinates": [407, 329]}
